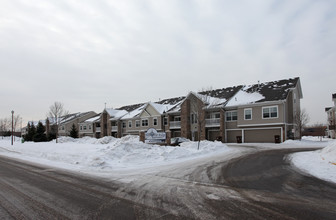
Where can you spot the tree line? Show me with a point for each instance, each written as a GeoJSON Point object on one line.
{"type": "Point", "coordinates": [38, 133]}
{"type": "Point", "coordinates": [6, 125]}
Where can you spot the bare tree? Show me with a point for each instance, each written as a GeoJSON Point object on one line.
{"type": "Point", "coordinates": [16, 122]}
{"type": "Point", "coordinates": [301, 119]}
{"type": "Point", "coordinates": [3, 126]}
{"type": "Point", "coordinates": [198, 106]}
{"type": "Point", "coordinates": [56, 111]}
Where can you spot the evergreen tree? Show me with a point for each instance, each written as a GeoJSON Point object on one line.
{"type": "Point", "coordinates": [74, 132]}
{"type": "Point", "coordinates": [31, 130]}
{"type": "Point", "coordinates": [40, 135]}
{"type": "Point", "coordinates": [52, 133]}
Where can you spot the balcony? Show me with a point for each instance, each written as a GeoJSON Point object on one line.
{"type": "Point", "coordinates": [175, 124]}
{"type": "Point", "coordinates": [213, 122]}
{"type": "Point", "coordinates": [114, 128]}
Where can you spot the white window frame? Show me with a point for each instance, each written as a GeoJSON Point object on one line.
{"type": "Point", "coordinates": [90, 127]}
{"type": "Point", "coordinates": [142, 123]}
{"type": "Point", "coordinates": [245, 110]}
{"type": "Point", "coordinates": [231, 120]}
{"type": "Point", "coordinates": [124, 124]}
{"type": "Point", "coordinates": [155, 120]}
{"type": "Point", "coordinates": [165, 121]}
{"type": "Point", "coordinates": [137, 123]}
{"type": "Point", "coordinates": [84, 127]}
{"type": "Point", "coordinates": [129, 124]}
{"type": "Point", "coordinates": [270, 113]}
{"type": "Point", "coordinates": [81, 128]}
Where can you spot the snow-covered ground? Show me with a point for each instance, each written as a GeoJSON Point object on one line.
{"type": "Point", "coordinates": [320, 163]}
{"type": "Point", "coordinates": [109, 156]}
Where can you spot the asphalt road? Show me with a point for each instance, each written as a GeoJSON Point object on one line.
{"type": "Point", "coordinates": [259, 185]}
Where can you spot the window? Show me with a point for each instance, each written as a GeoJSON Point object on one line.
{"type": "Point", "coordinates": [89, 127]}
{"type": "Point", "coordinates": [231, 116]}
{"type": "Point", "coordinates": [270, 112]}
{"type": "Point", "coordinates": [193, 118]}
{"type": "Point", "coordinates": [81, 127]}
{"type": "Point", "coordinates": [124, 124]}
{"type": "Point", "coordinates": [144, 122]}
{"type": "Point", "coordinates": [84, 127]}
{"type": "Point", "coordinates": [137, 123]}
{"type": "Point", "coordinates": [215, 115]}
{"type": "Point", "coordinates": [129, 124]}
{"type": "Point", "coordinates": [165, 121]}
{"type": "Point", "coordinates": [248, 114]}
{"type": "Point", "coordinates": [155, 121]}
{"type": "Point", "coordinates": [177, 118]}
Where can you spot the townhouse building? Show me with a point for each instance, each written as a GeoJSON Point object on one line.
{"type": "Point", "coordinates": [263, 112]}
{"type": "Point", "coordinates": [88, 128]}
{"type": "Point", "coordinates": [66, 122]}
{"type": "Point", "coordinates": [331, 112]}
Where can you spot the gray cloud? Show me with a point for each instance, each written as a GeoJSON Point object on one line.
{"type": "Point", "coordinates": [123, 52]}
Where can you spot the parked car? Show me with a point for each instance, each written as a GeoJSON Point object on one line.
{"type": "Point", "coordinates": [176, 141]}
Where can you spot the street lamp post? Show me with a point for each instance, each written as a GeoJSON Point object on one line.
{"type": "Point", "coordinates": [12, 125]}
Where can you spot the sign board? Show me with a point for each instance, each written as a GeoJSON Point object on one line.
{"type": "Point", "coordinates": [153, 136]}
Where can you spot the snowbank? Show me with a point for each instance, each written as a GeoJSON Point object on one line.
{"type": "Point", "coordinates": [320, 163]}
{"type": "Point", "coordinates": [108, 153]}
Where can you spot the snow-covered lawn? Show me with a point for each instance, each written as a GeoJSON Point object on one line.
{"type": "Point", "coordinates": [108, 156]}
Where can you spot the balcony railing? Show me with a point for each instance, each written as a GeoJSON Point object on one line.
{"type": "Point", "coordinates": [212, 122]}
{"type": "Point", "coordinates": [98, 129]}
{"type": "Point", "coordinates": [114, 128]}
{"type": "Point", "coordinates": [175, 124]}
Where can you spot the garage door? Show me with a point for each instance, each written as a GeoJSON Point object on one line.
{"type": "Point", "coordinates": [232, 136]}
{"type": "Point", "coordinates": [212, 135]}
{"type": "Point", "coordinates": [261, 136]}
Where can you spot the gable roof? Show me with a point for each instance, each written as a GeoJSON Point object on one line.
{"type": "Point", "coordinates": [135, 113]}
{"type": "Point", "coordinates": [241, 95]}
{"type": "Point", "coordinates": [275, 90]}
{"type": "Point", "coordinates": [130, 108]}
{"type": "Point", "coordinates": [69, 117]}
{"type": "Point", "coordinates": [92, 119]}
{"type": "Point", "coordinates": [115, 113]}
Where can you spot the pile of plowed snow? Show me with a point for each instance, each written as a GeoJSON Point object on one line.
{"type": "Point", "coordinates": [108, 153]}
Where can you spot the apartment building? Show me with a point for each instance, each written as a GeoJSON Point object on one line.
{"type": "Point", "coordinates": [331, 130]}
{"type": "Point", "coordinates": [67, 121]}
{"type": "Point", "coordinates": [88, 128]}
{"type": "Point", "coordinates": [263, 112]}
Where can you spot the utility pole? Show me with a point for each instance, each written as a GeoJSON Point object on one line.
{"type": "Point", "coordinates": [12, 125]}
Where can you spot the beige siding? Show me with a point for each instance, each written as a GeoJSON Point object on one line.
{"type": "Point", "coordinates": [257, 117]}
{"type": "Point", "coordinates": [148, 114]}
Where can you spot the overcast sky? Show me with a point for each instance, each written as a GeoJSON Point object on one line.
{"type": "Point", "coordinates": [85, 53]}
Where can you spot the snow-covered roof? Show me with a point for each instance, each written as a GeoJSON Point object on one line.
{"type": "Point", "coordinates": [275, 90]}
{"type": "Point", "coordinates": [93, 119]}
{"type": "Point", "coordinates": [70, 117]}
{"type": "Point", "coordinates": [243, 98]}
{"type": "Point", "coordinates": [211, 102]}
{"type": "Point", "coordinates": [134, 113]}
{"type": "Point", "coordinates": [115, 113]}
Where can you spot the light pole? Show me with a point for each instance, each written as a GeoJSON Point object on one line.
{"type": "Point", "coordinates": [12, 125]}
